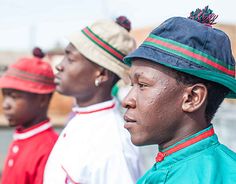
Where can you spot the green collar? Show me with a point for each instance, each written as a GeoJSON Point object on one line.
{"type": "Point", "coordinates": [187, 147]}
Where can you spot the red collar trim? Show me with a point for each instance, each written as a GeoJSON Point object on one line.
{"type": "Point", "coordinates": [98, 110]}
{"type": "Point", "coordinates": [29, 132]}
{"type": "Point", "coordinates": [161, 155]}
{"type": "Point", "coordinates": [95, 108]}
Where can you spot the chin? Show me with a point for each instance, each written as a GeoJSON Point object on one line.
{"type": "Point", "coordinates": [61, 91]}
{"type": "Point", "coordinates": [137, 141]}
{"type": "Point", "coordinates": [141, 141]}
{"type": "Point", "coordinates": [12, 124]}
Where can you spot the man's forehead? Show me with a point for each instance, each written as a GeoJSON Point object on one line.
{"type": "Point", "coordinates": [140, 65]}
{"type": "Point", "coordinates": [70, 47]}
{"type": "Point", "coordinates": [143, 71]}
{"type": "Point", "coordinates": [145, 68]}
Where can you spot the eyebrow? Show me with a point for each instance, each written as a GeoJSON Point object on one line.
{"type": "Point", "coordinates": [137, 75]}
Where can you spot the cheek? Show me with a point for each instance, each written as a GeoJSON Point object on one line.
{"type": "Point", "coordinates": [78, 77]}
{"type": "Point", "coordinates": [69, 81]}
{"type": "Point", "coordinates": [19, 112]}
{"type": "Point", "coordinates": [70, 76]}
{"type": "Point", "coordinates": [23, 108]}
{"type": "Point", "coordinates": [148, 104]}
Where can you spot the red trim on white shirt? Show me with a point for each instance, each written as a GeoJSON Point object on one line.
{"type": "Point", "coordinates": [29, 132]}
{"type": "Point", "coordinates": [95, 108]}
{"type": "Point", "coordinates": [102, 109]}
{"type": "Point", "coordinates": [68, 178]}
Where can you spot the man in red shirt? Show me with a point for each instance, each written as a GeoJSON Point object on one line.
{"type": "Point", "coordinates": [27, 88]}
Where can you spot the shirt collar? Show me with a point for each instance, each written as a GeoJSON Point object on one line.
{"type": "Point", "coordinates": [34, 130]}
{"type": "Point", "coordinates": [95, 108]}
{"type": "Point", "coordinates": [189, 146]}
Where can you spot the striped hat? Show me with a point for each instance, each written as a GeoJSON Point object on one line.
{"type": "Point", "coordinates": [189, 46]}
{"type": "Point", "coordinates": [29, 74]}
{"type": "Point", "coordinates": [106, 43]}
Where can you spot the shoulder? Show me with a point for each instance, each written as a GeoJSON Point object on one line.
{"type": "Point", "coordinates": [47, 138]}
{"type": "Point", "coordinates": [228, 154]}
{"type": "Point", "coordinates": [214, 165]}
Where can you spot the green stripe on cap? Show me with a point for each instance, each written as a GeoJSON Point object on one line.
{"type": "Point", "coordinates": [103, 44]}
{"type": "Point", "coordinates": [189, 53]}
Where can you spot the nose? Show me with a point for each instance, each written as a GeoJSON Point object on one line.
{"type": "Point", "coordinates": [6, 105]}
{"type": "Point", "coordinates": [129, 101]}
{"type": "Point", "coordinates": [60, 67]}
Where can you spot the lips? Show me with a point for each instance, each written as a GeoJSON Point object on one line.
{"type": "Point", "coordinates": [130, 122]}
{"type": "Point", "coordinates": [57, 80]}
{"type": "Point", "coordinates": [7, 115]}
{"type": "Point", "coordinates": [128, 119]}
{"type": "Point", "coordinates": [9, 118]}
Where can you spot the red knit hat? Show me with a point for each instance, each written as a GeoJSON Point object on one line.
{"type": "Point", "coordinates": [30, 75]}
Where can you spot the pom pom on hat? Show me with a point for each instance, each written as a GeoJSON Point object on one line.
{"type": "Point", "coordinates": [124, 22]}
{"type": "Point", "coordinates": [37, 52]}
{"type": "Point", "coordinates": [204, 16]}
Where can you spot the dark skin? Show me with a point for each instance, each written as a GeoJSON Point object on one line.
{"type": "Point", "coordinates": [23, 109]}
{"type": "Point", "coordinates": [76, 77]}
{"type": "Point", "coordinates": [159, 110]}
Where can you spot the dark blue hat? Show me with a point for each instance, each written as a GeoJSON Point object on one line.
{"type": "Point", "coordinates": [192, 47]}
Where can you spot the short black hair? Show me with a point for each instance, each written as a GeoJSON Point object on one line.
{"type": "Point", "coordinates": [115, 79]}
{"type": "Point", "coordinates": [216, 92]}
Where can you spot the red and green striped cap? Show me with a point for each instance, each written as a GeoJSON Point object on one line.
{"type": "Point", "coordinates": [103, 44]}
{"type": "Point", "coordinates": [191, 47]}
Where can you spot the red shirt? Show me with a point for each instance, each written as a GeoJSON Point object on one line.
{"type": "Point", "coordinates": [28, 153]}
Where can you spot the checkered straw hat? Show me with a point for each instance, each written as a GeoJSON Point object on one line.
{"type": "Point", "coordinates": [106, 43]}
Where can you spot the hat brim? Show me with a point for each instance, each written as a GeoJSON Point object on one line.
{"type": "Point", "coordinates": [27, 86]}
{"type": "Point", "coordinates": [173, 62]}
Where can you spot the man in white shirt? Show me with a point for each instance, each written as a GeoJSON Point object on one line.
{"type": "Point", "coordinates": [94, 148]}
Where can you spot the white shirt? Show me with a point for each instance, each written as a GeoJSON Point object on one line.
{"type": "Point", "coordinates": [94, 148]}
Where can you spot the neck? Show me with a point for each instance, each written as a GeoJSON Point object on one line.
{"type": "Point", "coordinates": [97, 98]}
{"type": "Point", "coordinates": [35, 121]}
{"type": "Point", "coordinates": [189, 127]}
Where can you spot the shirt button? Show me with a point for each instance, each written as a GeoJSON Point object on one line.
{"type": "Point", "coordinates": [160, 157]}
{"type": "Point", "coordinates": [15, 149]}
{"type": "Point", "coordinates": [10, 162]}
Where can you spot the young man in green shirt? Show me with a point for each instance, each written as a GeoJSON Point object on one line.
{"type": "Point", "coordinates": [180, 75]}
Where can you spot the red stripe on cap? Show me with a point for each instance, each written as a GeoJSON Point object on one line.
{"type": "Point", "coordinates": [103, 44]}
{"type": "Point", "coordinates": [14, 72]}
{"type": "Point", "coordinates": [192, 54]}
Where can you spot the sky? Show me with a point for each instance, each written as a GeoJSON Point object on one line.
{"type": "Point", "coordinates": [45, 23]}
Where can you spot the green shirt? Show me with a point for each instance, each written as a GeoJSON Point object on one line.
{"type": "Point", "coordinates": [198, 159]}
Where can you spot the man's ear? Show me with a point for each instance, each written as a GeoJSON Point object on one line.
{"type": "Point", "coordinates": [102, 75]}
{"type": "Point", "coordinates": [194, 97]}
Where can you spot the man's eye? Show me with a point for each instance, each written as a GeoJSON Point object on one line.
{"type": "Point", "coordinates": [15, 95]}
{"type": "Point", "coordinates": [11, 95]}
{"type": "Point", "coordinates": [142, 85]}
{"type": "Point", "coordinates": [70, 60]}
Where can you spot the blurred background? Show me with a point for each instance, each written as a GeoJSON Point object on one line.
{"type": "Point", "coordinates": [25, 24]}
